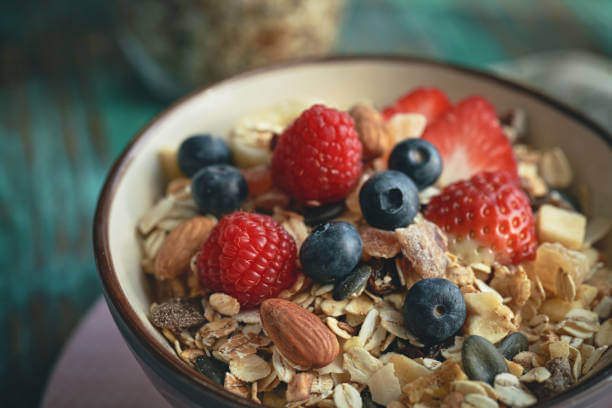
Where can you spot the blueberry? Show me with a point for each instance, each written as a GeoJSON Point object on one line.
{"type": "Point", "coordinates": [418, 159]}
{"type": "Point", "coordinates": [331, 251]}
{"type": "Point", "coordinates": [197, 152]}
{"type": "Point", "coordinates": [389, 200]}
{"type": "Point", "coordinates": [434, 310]}
{"type": "Point", "coordinates": [219, 189]}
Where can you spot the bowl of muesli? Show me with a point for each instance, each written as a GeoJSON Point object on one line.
{"type": "Point", "coordinates": [363, 232]}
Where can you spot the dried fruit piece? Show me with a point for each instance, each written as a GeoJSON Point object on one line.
{"type": "Point", "coordinates": [424, 246]}
{"type": "Point", "coordinates": [555, 224]}
{"type": "Point", "coordinates": [176, 314]}
{"type": "Point", "coordinates": [406, 369]}
{"type": "Point", "coordinates": [560, 379]}
{"type": "Point", "coordinates": [298, 334]}
{"type": "Point", "coordinates": [379, 243]}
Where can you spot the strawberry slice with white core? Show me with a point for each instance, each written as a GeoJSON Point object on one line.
{"type": "Point", "coordinates": [470, 140]}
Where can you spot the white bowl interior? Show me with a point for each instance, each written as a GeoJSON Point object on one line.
{"type": "Point", "coordinates": [341, 83]}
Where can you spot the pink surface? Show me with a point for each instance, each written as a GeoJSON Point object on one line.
{"type": "Point", "coordinates": [96, 369]}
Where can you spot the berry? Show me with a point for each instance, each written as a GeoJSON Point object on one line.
{"type": "Point", "coordinates": [197, 152]}
{"type": "Point", "coordinates": [248, 256]}
{"type": "Point", "coordinates": [418, 159]}
{"type": "Point", "coordinates": [318, 157]}
{"type": "Point", "coordinates": [331, 251]}
{"type": "Point", "coordinates": [219, 189]}
{"type": "Point", "coordinates": [434, 310]}
{"type": "Point", "coordinates": [470, 139]}
{"type": "Point", "coordinates": [430, 102]}
{"type": "Point", "coordinates": [491, 209]}
{"type": "Point", "coordinates": [389, 200]}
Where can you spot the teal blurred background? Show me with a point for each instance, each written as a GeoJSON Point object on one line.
{"type": "Point", "coordinates": [70, 101]}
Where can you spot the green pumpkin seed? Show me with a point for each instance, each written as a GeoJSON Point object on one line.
{"type": "Point", "coordinates": [212, 368]}
{"type": "Point", "coordinates": [512, 345]}
{"type": "Point", "coordinates": [352, 283]}
{"type": "Point", "coordinates": [481, 360]}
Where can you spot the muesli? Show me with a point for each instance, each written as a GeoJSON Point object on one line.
{"type": "Point", "coordinates": [419, 256]}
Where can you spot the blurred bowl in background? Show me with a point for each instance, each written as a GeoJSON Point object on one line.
{"type": "Point", "coordinates": [177, 45]}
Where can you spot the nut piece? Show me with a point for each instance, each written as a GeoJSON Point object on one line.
{"type": "Point", "coordinates": [555, 224]}
{"type": "Point", "coordinates": [373, 133]}
{"type": "Point", "coordinates": [424, 246]}
{"type": "Point", "coordinates": [299, 335]}
{"type": "Point", "coordinates": [179, 246]}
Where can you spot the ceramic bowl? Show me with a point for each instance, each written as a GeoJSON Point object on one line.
{"type": "Point", "coordinates": [133, 184]}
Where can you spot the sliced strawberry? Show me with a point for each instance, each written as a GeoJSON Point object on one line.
{"type": "Point", "coordinates": [430, 102]}
{"type": "Point", "coordinates": [470, 139]}
{"type": "Point", "coordinates": [490, 209]}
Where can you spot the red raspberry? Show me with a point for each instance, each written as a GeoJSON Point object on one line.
{"type": "Point", "coordinates": [491, 209]}
{"type": "Point", "coordinates": [318, 157]}
{"type": "Point", "coordinates": [248, 256]}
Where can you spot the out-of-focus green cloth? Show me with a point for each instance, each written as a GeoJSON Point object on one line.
{"type": "Point", "coordinates": [69, 102]}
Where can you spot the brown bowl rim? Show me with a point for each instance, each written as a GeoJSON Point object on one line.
{"type": "Point", "coordinates": [104, 263]}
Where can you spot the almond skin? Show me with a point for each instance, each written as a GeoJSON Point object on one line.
{"type": "Point", "coordinates": [298, 334]}
{"type": "Point", "coordinates": [180, 245]}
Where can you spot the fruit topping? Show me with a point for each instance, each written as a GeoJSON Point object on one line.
{"type": "Point", "coordinates": [317, 159]}
{"type": "Point", "coordinates": [418, 159]}
{"type": "Point", "coordinates": [389, 200]}
{"type": "Point", "coordinates": [430, 102]}
{"type": "Point", "coordinates": [434, 310]}
{"type": "Point", "coordinates": [491, 209]}
{"type": "Point", "coordinates": [197, 152]}
{"type": "Point", "coordinates": [219, 189]}
{"type": "Point", "coordinates": [331, 251]}
{"type": "Point", "coordinates": [248, 256]}
{"type": "Point", "coordinates": [470, 139]}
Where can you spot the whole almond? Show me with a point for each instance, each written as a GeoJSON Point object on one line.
{"type": "Point", "coordinates": [179, 246]}
{"type": "Point", "coordinates": [298, 334]}
{"type": "Point", "coordinates": [373, 133]}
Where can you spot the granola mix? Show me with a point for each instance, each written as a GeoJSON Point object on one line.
{"type": "Point", "coordinates": [560, 301]}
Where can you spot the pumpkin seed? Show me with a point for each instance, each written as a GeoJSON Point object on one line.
{"type": "Point", "coordinates": [318, 215]}
{"type": "Point", "coordinates": [211, 367]}
{"type": "Point", "coordinates": [512, 345]}
{"type": "Point", "coordinates": [353, 283]}
{"type": "Point", "coordinates": [481, 360]}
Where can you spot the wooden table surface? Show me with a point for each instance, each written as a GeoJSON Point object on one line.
{"type": "Point", "coordinates": [69, 102]}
